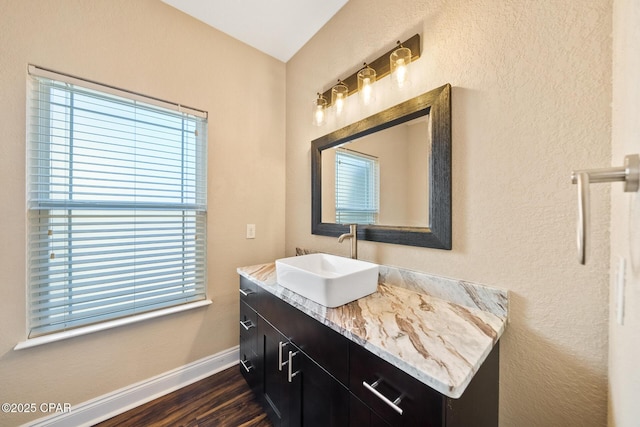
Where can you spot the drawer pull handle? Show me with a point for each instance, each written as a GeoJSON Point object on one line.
{"type": "Point", "coordinates": [245, 293]}
{"type": "Point", "coordinates": [244, 365]}
{"type": "Point", "coordinates": [292, 374]}
{"type": "Point", "coordinates": [281, 345]}
{"type": "Point", "coordinates": [247, 324]}
{"type": "Point", "coordinates": [393, 405]}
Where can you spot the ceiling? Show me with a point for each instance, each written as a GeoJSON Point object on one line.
{"type": "Point", "coordinates": [277, 27]}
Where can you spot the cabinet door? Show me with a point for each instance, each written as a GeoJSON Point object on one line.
{"type": "Point", "coordinates": [280, 396]}
{"type": "Point", "coordinates": [324, 401]}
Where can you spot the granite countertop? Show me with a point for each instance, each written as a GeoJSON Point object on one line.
{"type": "Point", "coordinates": [439, 342]}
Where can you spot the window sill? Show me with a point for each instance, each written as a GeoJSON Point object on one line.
{"type": "Point", "coordinates": [59, 336]}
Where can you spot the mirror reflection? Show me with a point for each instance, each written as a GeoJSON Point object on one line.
{"type": "Point", "coordinates": [379, 179]}
{"type": "Point", "coordinates": [390, 173]}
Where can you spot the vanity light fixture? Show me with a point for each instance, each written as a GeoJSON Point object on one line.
{"type": "Point", "coordinates": [394, 61]}
{"type": "Point", "coordinates": [399, 60]}
{"type": "Point", "coordinates": [366, 79]}
{"type": "Point", "coordinates": [319, 110]}
{"type": "Point", "coordinates": [339, 95]}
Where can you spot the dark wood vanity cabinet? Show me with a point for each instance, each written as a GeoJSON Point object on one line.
{"type": "Point", "coordinates": [308, 375]}
{"type": "Point", "coordinates": [293, 388]}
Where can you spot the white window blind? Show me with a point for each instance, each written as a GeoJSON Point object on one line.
{"type": "Point", "coordinates": [116, 204]}
{"type": "Point", "coordinates": [357, 188]}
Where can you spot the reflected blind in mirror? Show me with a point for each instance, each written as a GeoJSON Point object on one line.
{"type": "Point", "coordinates": [116, 204]}
{"type": "Point", "coordinates": [357, 187]}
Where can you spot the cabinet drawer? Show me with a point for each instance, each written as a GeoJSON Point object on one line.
{"type": "Point", "coordinates": [249, 367]}
{"type": "Point", "coordinates": [248, 292]}
{"type": "Point", "coordinates": [249, 362]}
{"type": "Point", "coordinates": [360, 415]}
{"type": "Point", "coordinates": [248, 329]}
{"type": "Point", "coordinates": [378, 384]}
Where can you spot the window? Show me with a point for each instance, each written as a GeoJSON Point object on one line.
{"type": "Point", "coordinates": [116, 203]}
{"type": "Point", "coordinates": [357, 188]}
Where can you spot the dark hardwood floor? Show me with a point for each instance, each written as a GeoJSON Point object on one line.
{"type": "Point", "coordinates": [223, 399]}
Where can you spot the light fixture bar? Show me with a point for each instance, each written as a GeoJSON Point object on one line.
{"type": "Point", "coordinates": [381, 65]}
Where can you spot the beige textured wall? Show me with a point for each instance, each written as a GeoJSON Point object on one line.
{"type": "Point", "coordinates": [624, 350]}
{"type": "Point", "coordinates": [151, 48]}
{"type": "Point", "coordinates": [531, 101]}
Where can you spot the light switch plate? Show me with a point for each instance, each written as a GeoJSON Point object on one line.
{"type": "Point", "coordinates": [251, 231]}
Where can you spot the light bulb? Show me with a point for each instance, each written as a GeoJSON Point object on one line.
{"type": "Point", "coordinates": [339, 95]}
{"type": "Point", "coordinates": [399, 61]}
{"type": "Point", "coordinates": [366, 90]}
{"type": "Point", "coordinates": [400, 72]}
{"type": "Point", "coordinates": [366, 79]}
{"type": "Point", "coordinates": [339, 103]}
{"type": "Point", "coordinates": [319, 116]}
{"type": "Point", "coordinates": [319, 106]}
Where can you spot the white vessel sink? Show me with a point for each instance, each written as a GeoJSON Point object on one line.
{"type": "Point", "coordinates": [326, 279]}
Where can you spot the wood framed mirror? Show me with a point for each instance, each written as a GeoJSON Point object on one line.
{"type": "Point", "coordinates": [390, 173]}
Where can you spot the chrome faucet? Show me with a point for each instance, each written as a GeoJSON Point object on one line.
{"type": "Point", "coordinates": [353, 235]}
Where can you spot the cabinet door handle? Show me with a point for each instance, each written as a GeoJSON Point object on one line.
{"type": "Point", "coordinates": [393, 404]}
{"type": "Point", "coordinates": [245, 293]}
{"type": "Point", "coordinates": [281, 345]}
{"type": "Point", "coordinates": [244, 365]}
{"type": "Point", "coordinates": [247, 324]}
{"type": "Point", "coordinates": [292, 374]}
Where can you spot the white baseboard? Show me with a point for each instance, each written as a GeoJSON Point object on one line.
{"type": "Point", "coordinates": [119, 401]}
